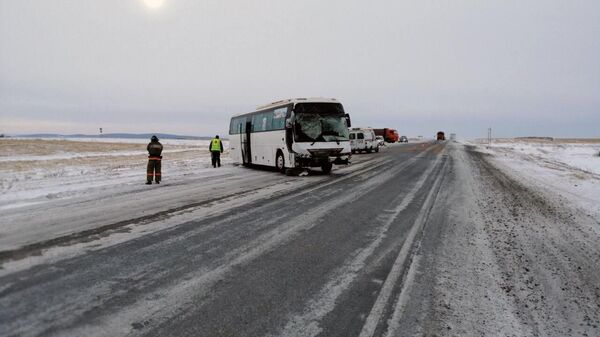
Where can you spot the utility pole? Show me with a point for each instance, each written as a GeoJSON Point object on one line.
{"type": "Point", "coordinates": [489, 136]}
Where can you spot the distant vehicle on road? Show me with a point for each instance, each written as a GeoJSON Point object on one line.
{"type": "Point", "coordinates": [363, 140]}
{"type": "Point", "coordinates": [403, 139]}
{"type": "Point", "coordinates": [389, 135]}
{"type": "Point", "coordinates": [380, 140]}
{"type": "Point", "coordinates": [292, 133]}
{"type": "Point", "coordinates": [441, 136]}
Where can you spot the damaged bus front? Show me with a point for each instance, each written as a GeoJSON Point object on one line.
{"type": "Point", "coordinates": [320, 134]}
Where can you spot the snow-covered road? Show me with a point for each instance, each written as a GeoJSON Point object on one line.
{"type": "Point", "coordinates": [419, 239]}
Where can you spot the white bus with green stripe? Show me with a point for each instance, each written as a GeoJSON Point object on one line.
{"type": "Point", "coordinates": [292, 133]}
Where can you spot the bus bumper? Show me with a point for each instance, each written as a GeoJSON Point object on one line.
{"type": "Point", "coordinates": [342, 161]}
{"type": "Point", "coordinates": [312, 161]}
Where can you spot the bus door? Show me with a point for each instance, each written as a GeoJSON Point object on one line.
{"type": "Point", "coordinates": [246, 146]}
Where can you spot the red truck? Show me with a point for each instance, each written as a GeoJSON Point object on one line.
{"type": "Point", "coordinates": [389, 135]}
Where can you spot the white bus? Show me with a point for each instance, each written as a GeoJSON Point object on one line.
{"type": "Point", "coordinates": [292, 133]}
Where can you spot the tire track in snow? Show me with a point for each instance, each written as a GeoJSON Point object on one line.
{"type": "Point", "coordinates": [163, 304]}
{"type": "Point", "coordinates": [38, 248]}
{"type": "Point", "coordinates": [91, 295]}
{"type": "Point", "coordinates": [396, 273]}
{"type": "Point", "coordinates": [307, 324]}
{"type": "Point", "coordinates": [363, 173]}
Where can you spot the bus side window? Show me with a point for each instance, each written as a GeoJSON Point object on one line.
{"type": "Point", "coordinates": [235, 126]}
{"type": "Point", "coordinates": [256, 123]}
{"type": "Point", "coordinates": [238, 125]}
{"type": "Point", "coordinates": [279, 119]}
{"type": "Point", "coordinates": [264, 123]}
{"type": "Point", "coordinates": [352, 136]}
{"type": "Point", "coordinates": [269, 121]}
{"type": "Point", "coordinates": [360, 136]}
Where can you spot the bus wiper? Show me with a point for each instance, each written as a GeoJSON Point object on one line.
{"type": "Point", "coordinates": [336, 139]}
{"type": "Point", "coordinates": [332, 134]}
{"type": "Point", "coordinates": [316, 139]}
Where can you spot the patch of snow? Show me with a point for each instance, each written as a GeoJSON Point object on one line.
{"type": "Point", "coordinates": [567, 169]}
{"type": "Point", "coordinates": [62, 172]}
{"type": "Point", "coordinates": [77, 155]}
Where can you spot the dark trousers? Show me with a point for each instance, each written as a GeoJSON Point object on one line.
{"type": "Point", "coordinates": [215, 157]}
{"type": "Point", "coordinates": [153, 171]}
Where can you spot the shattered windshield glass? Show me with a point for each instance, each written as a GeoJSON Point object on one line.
{"type": "Point", "coordinates": [320, 122]}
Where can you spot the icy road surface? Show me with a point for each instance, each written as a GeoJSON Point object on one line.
{"type": "Point", "coordinates": [417, 240]}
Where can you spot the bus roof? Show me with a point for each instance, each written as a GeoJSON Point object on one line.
{"type": "Point", "coordinates": [292, 101]}
{"type": "Point", "coordinates": [298, 100]}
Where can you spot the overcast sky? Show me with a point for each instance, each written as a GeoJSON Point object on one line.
{"type": "Point", "coordinates": [523, 67]}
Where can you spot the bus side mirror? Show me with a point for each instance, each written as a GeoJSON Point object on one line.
{"type": "Point", "coordinates": [288, 123]}
{"type": "Point", "coordinates": [347, 116]}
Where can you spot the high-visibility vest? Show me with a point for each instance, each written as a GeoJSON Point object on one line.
{"type": "Point", "coordinates": [216, 145]}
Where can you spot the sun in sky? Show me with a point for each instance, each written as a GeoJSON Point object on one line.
{"type": "Point", "coordinates": [154, 4]}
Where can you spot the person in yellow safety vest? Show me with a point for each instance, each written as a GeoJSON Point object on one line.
{"type": "Point", "coordinates": [216, 148]}
{"type": "Point", "coordinates": [154, 157]}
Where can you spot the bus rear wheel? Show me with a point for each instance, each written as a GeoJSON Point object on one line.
{"type": "Point", "coordinates": [326, 168]}
{"type": "Point", "coordinates": [280, 162]}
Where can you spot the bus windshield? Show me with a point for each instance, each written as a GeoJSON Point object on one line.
{"type": "Point", "coordinates": [320, 122]}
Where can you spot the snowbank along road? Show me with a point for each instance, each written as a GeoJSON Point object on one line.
{"type": "Point", "coordinates": [417, 240]}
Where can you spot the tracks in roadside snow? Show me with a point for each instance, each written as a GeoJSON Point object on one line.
{"type": "Point", "coordinates": [273, 233]}
{"type": "Point", "coordinates": [548, 256]}
{"type": "Point", "coordinates": [143, 285]}
{"type": "Point", "coordinates": [193, 279]}
{"type": "Point", "coordinates": [390, 303]}
{"type": "Point", "coordinates": [99, 232]}
{"type": "Point", "coordinates": [308, 323]}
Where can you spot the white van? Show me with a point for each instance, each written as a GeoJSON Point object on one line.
{"type": "Point", "coordinates": [363, 140]}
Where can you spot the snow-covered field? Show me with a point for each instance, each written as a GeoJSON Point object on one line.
{"type": "Point", "coordinates": [568, 168]}
{"type": "Point", "coordinates": [37, 170]}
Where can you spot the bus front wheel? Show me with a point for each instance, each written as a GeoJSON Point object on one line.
{"type": "Point", "coordinates": [326, 168]}
{"type": "Point", "coordinates": [280, 162]}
